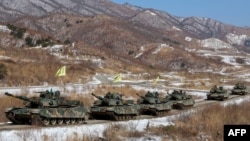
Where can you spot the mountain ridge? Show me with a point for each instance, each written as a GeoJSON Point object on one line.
{"type": "Point", "coordinates": [198, 27]}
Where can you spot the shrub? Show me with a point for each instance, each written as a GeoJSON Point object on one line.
{"type": "Point", "coordinates": [16, 31]}
{"type": "Point", "coordinates": [130, 52]}
{"type": "Point", "coordinates": [66, 42]}
{"type": "Point", "coordinates": [3, 71]}
{"type": "Point", "coordinates": [28, 41]}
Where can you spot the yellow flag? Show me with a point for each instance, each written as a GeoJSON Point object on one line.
{"type": "Point", "coordinates": [156, 80]}
{"type": "Point", "coordinates": [61, 71]}
{"type": "Point", "coordinates": [117, 78]}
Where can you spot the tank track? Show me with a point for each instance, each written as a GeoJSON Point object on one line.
{"type": "Point", "coordinates": [124, 117]}
{"type": "Point", "coordinates": [153, 112]}
{"type": "Point", "coordinates": [36, 120]}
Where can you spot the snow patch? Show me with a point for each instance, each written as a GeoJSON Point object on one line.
{"type": "Point", "coordinates": [138, 55]}
{"type": "Point", "coordinates": [176, 28]}
{"type": "Point", "coordinates": [189, 39]}
{"type": "Point", "coordinates": [214, 43]}
{"type": "Point", "coordinates": [150, 12]}
{"type": "Point", "coordinates": [4, 28]}
{"type": "Point", "coordinates": [236, 39]}
{"type": "Point", "coordinates": [159, 48]}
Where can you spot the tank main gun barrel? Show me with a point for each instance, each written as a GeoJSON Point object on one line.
{"type": "Point", "coordinates": [143, 97]}
{"type": "Point", "coordinates": [140, 95]}
{"type": "Point", "coordinates": [19, 97]}
{"type": "Point", "coordinates": [103, 100]}
{"type": "Point", "coordinates": [98, 97]}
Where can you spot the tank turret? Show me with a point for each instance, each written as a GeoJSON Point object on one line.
{"type": "Point", "coordinates": [150, 104]}
{"type": "Point", "coordinates": [112, 106]}
{"type": "Point", "coordinates": [109, 99]}
{"type": "Point", "coordinates": [149, 98]}
{"type": "Point", "coordinates": [180, 99]}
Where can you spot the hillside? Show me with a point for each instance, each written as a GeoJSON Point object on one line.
{"type": "Point", "coordinates": [101, 36]}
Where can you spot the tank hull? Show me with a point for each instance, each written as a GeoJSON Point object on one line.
{"type": "Point", "coordinates": [47, 116]}
{"type": "Point", "coordinates": [155, 109]}
{"type": "Point", "coordinates": [239, 92]}
{"type": "Point", "coordinates": [114, 112]}
{"type": "Point", "coordinates": [183, 104]}
{"type": "Point", "coordinates": [217, 96]}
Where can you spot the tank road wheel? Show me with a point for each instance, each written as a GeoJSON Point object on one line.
{"type": "Point", "coordinates": [35, 120]}
{"type": "Point", "coordinates": [60, 121]}
{"type": "Point", "coordinates": [119, 118]}
{"type": "Point", "coordinates": [72, 121]}
{"type": "Point", "coordinates": [129, 117]}
{"type": "Point", "coordinates": [126, 117]}
{"type": "Point", "coordinates": [86, 117]}
{"type": "Point", "coordinates": [53, 121]}
{"type": "Point", "coordinates": [116, 118]}
{"type": "Point", "coordinates": [79, 121]}
{"type": "Point", "coordinates": [45, 121]}
{"type": "Point", "coordinates": [67, 121]}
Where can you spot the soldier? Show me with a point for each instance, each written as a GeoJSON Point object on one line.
{"type": "Point", "coordinates": [214, 89]}
{"type": "Point", "coordinates": [149, 94]}
{"type": "Point", "coordinates": [156, 94]}
{"type": "Point", "coordinates": [108, 95]}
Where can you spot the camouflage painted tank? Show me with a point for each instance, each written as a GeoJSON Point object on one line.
{"type": "Point", "coordinates": [239, 89]}
{"type": "Point", "coordinates": [48, 109]}
{"type": "Point", "coordinates": [217, 93]}
{"type": "Point", "coordinates": [112, 107]}
{"type": "Point", "coordinates": [180, 99]}
{"type": "Point", "coordinates": [150, 104]}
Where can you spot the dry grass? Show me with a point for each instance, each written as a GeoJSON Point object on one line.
{"type": "Point", "coordinates": [8, 102]}
{"type": "Point", "coordinates": [127, 90]}
{"type": "Point", "coordinates": [36, 66]}
{"type": "Point", "coordinates": [116, 132]}
{"type": "Point", "coordinates": [206, 123]}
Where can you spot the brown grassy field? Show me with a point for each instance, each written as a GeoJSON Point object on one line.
{"type": "Point", "coordinates": [8, 102]}
{"type": "Point", "coordinates": [207, 123]}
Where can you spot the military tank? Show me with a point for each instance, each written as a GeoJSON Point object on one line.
{"type": "Point", "coordinates": [46, 110]}
{"type": "Point", "coordinates": [113, 107]}
{"type": "Point", "coordinates": [239, 89]}
{"type": "Point", "coordinates": [150, 104]}
{"type": "Point", "coordinates": [217, 93]}
{"type": "Point", "coordinates": [180, 99]}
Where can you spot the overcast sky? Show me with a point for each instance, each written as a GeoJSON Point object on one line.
{"type": "Point", "coordinates": [235, 12]}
